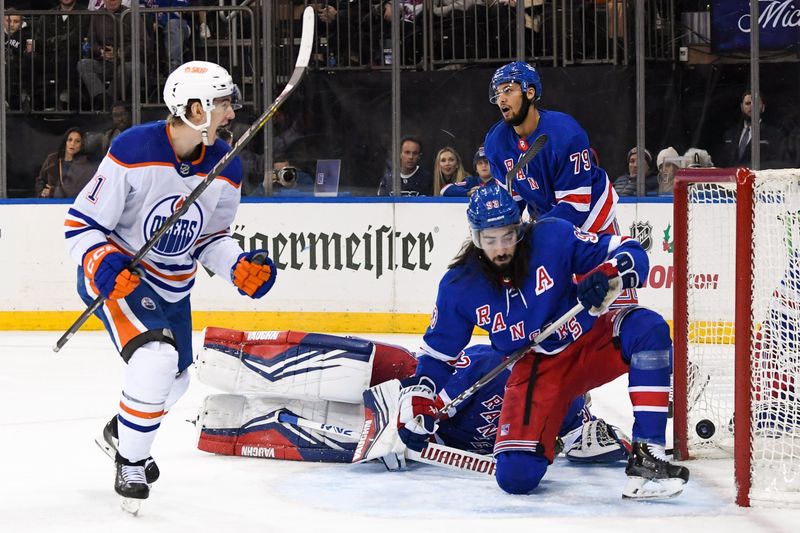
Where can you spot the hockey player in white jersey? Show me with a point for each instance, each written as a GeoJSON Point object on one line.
{"type": "Point", "coordinates": [147, 174]}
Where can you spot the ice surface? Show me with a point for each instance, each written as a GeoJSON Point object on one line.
{"type": "Point", "coordinates": [54, 478]}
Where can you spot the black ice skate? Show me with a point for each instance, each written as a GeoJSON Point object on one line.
{"type": "Point", "coordinates": [131, 484]}
{"type": "Point", "coordinates": [108, 441]}
{"type": "Point", "coordinates": [651, 476]}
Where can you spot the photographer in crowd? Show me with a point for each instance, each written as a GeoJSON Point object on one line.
{"type": "Point", "coordinates": [287, 180]}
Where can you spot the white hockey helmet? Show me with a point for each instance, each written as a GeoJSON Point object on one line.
{"type": "Point", "coordinates": [198, 80]}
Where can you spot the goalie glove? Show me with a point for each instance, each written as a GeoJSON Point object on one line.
{"type": "Point", "coordinates": [598, 288]}
{"type": "Point", "coordinates": [254, 273]}
{"type": "Point", "coordinates": [416, 421]}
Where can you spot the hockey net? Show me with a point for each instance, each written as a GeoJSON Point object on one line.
{"type": "Point", "coordinates": [737, 270]}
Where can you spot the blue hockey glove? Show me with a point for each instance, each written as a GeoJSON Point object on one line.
{"type": "Point", "coordinates": [254, 273]}
{"type": "Point", "coordinates": [417, 419]}
{"type": "Point", "coordinates": [598, 288]}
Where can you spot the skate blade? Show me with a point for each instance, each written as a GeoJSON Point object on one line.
{"type": "Point", "coordinates": [639, 488]}
{"type": "Point", "coordinates": [106, 447]}
{"type": "Point", "coordinates": [132, 505]}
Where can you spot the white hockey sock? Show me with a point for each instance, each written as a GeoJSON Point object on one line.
{"type": "Point", "coordinates": [149, 377]}
{"type": "Point", "coordinates": [179, 387]}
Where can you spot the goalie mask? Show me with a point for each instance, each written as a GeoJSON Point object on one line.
{"type": "Point", "coordinates": [203, 81]}
{"type": "Point", "coordinates": [492, 207]}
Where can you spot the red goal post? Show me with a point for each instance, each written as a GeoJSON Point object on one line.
{"type": "Point", "coordinates": [737, 269]}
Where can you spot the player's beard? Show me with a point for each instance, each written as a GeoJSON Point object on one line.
{"type": "Point", "coordinates": [518, 118]}
{"type": "Point", "coordinates": [504, 270]}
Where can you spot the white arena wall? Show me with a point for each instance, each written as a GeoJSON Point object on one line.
{"type": "Point", "coordinates": [346, 265]}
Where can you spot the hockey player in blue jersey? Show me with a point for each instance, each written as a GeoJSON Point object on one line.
{"type": "Point", "coordinates": [472, 426]}
{"type": "Point", "coordinates": [561, 181]}
{"type": "Point", "coordinates": [512, 281]}
{"type": "Point", "coordinates": [147, 174]}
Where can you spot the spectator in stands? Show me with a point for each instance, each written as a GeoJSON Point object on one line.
{"type": "Point", "coordinates": [790, 140]}
{"type": "Point", "coordinates": [289, 129]}
{"type": "Point", "coordinates": [173, 27]}
{"type": "Point", "coordinates": [737, 138]}
{"type": "Point", "coordinates": [252, 165]}
{"type": "Point", "coordinates": [65, 172]}
{"type": "Point", "coordinates": [626, 185]}
{"type": "Point", "coordinates": [106, 62]}
{"type": "Point", "coordinates": [58, 48]}
{"type": "Point", "coordinates": [667, 162]}
{"type": "Point", "coordinates": [447, 169]}
{"type": "Point", "coordinates": [414, 180]}
{"type": "Point", "coordinates": [287, 180]}
{"type": "Point", "coordinates": [95, 5]}
{"type": "Point", "coordinates": [346, 26]}
{"type": "Point", "coordinates": [697, 158]}
{"type": "Point", "coordinates": [120, 121]}
{"type": "Point", "coordinates": [483, 175]}
{"type": "Point", "coordinates": [17, 39]}
{"type": "Point", "coordinates": [204, 31]}
{"type": "Point", "coordinates": [410, 30]}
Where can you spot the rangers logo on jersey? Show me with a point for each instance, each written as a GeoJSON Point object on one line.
{"type": "Point", "coordinates": [182, 235]}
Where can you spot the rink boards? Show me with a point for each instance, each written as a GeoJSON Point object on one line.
{"type": "Point", "coordinates": [358, 265]}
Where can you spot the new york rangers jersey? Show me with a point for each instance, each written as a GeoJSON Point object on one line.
{"type": "Point", "coordinates": [513, 317]}
{"type": "Point", "coordinates": [472, 425]}
{"type": "Point", "coordinates": [138, 185]}
{"type": "Point", "coordinates": [561, 181]}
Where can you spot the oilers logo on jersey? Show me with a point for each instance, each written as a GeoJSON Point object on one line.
{"type": "Point", "coordinates": [181, 236]}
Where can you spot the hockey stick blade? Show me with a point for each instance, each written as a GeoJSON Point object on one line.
{"type": "Point", "coordinates": [513, 358]}
{"type": "Point", "coordinates": [534, 149]}
{"type": "Point", "coordinates": [301, 65]}
{"type": "Point", "coordinates": [453, 459]}
{"type": "Point", "coordinates": [433, 454]}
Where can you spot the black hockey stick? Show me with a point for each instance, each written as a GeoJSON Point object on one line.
{"type": "Point", "coordinates": [534, 149]}
{"type": "Point", "coordinates": [306, 43]}
{"type": "Point", "coordinates": [513, 358]}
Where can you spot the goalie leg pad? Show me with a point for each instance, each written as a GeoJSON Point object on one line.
{"type": "Point", "coordinates": [286, 364]}
{"type": "Point", "coordinates": [231, 424]}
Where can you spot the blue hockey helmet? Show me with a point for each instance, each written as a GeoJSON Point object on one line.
{"type": "Point", "coordinates": [492, 207]}
{"type": "Point", "coordinates": [518, 72]}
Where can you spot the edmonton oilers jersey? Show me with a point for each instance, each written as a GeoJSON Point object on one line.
{"type": "Point", "coordinates": [561, 181]}
{"type": "Point", "coordinates": [137, 187]}
{"type": "Point", "coordinates": [514, 316]}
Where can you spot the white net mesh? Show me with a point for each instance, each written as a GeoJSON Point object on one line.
{"type": "Point", "coordinates": [775, 337]}
{"type": "Point", "coordinates": [710, 303]}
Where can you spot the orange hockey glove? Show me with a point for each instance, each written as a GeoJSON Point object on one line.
{"type": "Point", "coordinates": [107, 268]}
